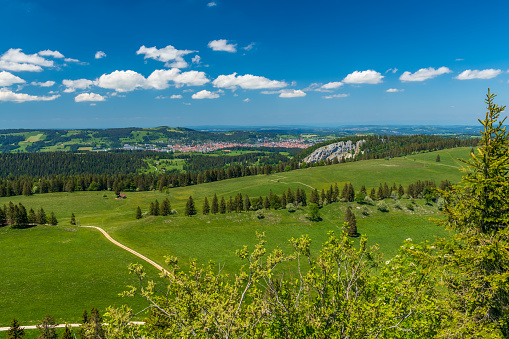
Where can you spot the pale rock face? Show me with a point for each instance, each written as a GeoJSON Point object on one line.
{"type": "Point", "coordinates": [340, 149]}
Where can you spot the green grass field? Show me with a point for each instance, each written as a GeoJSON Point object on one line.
{"type": "Point", "coordinates": [62, 270]}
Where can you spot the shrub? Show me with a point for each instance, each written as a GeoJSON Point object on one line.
{"type": "Point", "coordinates": [368, 200]}
{"type": "Point", "coordinates": [410, 207]}
{"type": "Point", "coordinates": [398, 205]}
{"type": "Point", "coordinates": [259, 214]}
{"type": "Point", "coordinates": [291, 207]}
{"type": "Point", "coordinates": [365, 210]}
{"type": "Point", "coordinates": [440, 203]}
{"type": "Point", "coordinates": [382, 206]}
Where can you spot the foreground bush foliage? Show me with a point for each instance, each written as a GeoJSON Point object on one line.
{"type": "Point", "coordinates": [452, 288]}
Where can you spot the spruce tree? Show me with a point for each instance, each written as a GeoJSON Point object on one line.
{"type": "Point", "coordinates": [283, 200]}
{"type": "Point", "coordinates": [138, 213]}
{"type": "Point", "coordinates": [47, 328]}
{"type": "Point", "coordinates": [3, 217]}
{"type": "Point", "coordinates": [156, 208]}
{"type": "Point", "coordinates": [351, 223]}
{"type": "Point", "coordinates": [73, 219]}
{"type": "Point", "coordinates": [190, 209]}
{"type": "Point", "coordinates": [222, 206]}
{"type": "Point", "coordinates": [214, 209]}
{"type": "Point", "coordinates": [165, 207]}
{"type": "Point", "coordinates": [351, 193]}
{"type": "Point", "coordinates": [206, 208]}
{"type": "Point", "coordinates": [438, 158]}
{"type": "Point", "coordinates": [15, 331]}
{"type": "Point", "coordinates": [151, 209]}
{"type": "Point", "coordinates": [96, 322]}
{"type": "Point", "coordinates": [266, 203]}
{"type": "Point", "coordinates": [247, 203]}
{"type": "Point", "coordinates": [52, 219]}
{"type": "Point", "coordinates": [239, 204]}
{"type": "Point", "coordinates": [67, 332]}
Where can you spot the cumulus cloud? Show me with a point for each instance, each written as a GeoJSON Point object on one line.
{"type": "Point", "coordinates": [205, 95]}
{"type": "Point", "coordinates": [121, 81]}
{"type": "Point", "coordinates": [7, 95]}
{"type": "Point", "coordinates": [71, 60]}
{"type": "Point", "coordinates": [166, 54]}
{"type": "Point", "coordinates": [100, 55]}
{"type": "Point", "coordinates": [211, 4]}
{"type": "Point", "coordinates": [15, 60]}
{"type": "Point", "coordinates": [54, 54]}
{"type": "Point", "coordinates": [394, 90]}
{"type": "Point", "coordinates": [364, 77]}
{"type": "Point", "coordinates": [85, 97]}
{"type": "Point", "coordinates": [196, 59]}
{"type": "Point", "coordinates": [247, 81]}
{"type": "Point", "coordinates": [293, 93]}
{"type": "Point", "coordinates": [222, 45]}
{"type": "Point", "coordinates": [176, 96]}
{"type": "Point", "coordinates": [476, 74]}
{"type": "Point", "coordinates": [73, 85]}
{"type": "Point", "coordinates": [336, 96]}
{"type": "Point", "coordinates": [43, 84]}
{"type": "Point", "coordinates": [332, 85]}
{"type": "Point", "coordinates": [246, 100]}
{"type": "Point", "coordinates": [8, 79]}
{"type": "Point", "coordinates": [159, 79]}
{"type": "Point", "coordinates": [424, 74]}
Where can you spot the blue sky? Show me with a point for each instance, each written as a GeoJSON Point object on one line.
{"type": "Point", "coordinates": [69, 64]}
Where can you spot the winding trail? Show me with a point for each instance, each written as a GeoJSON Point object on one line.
{"type": "Point", "coordinates": [159, 267]}
{"type": "Point", "coordinates": [294, 182]}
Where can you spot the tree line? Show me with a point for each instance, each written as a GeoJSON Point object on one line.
{"type": "Point", "coordinates": [18, 217]}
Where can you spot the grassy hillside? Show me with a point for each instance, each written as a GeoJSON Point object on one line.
{"type": "Point", "coordinates": [62, 270]}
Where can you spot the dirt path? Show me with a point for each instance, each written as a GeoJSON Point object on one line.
{"type": "Point", "coordinates": [294, 182]}
{"type": "Point", "coordinates": [159, 267]}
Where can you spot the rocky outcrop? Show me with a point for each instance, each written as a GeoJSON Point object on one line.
{"type": "Point", "coordinates": [337, 150]}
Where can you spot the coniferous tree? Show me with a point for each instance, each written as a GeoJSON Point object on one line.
{"type": "Point", "coordinates": [266, 203]}
{"type": "Point", "coordinates": [73, 219]}
{"type": "Point", "coordinates": [372, 194]}
{"type": "Point", "coordinates": [151, 209]}
{"type": "Point", "coordinates": [15, 331]}
{"type": "Point", "coordinates": [438, 158]}
{"type": "Point", "coordinates": [239, 204]}
{"type": "Point", "coordinates": [138, 213]}
{"type": "Point", "coordinates": [344, 193]}
{"type": "Point", "coordinates": [229, 205]}
{"type": "Point", "coordinates": [20, 216]}
{"type": "Point", "coordinates": [351, 193]}
{"type": "Point", "coordinates": [214, 209]}
{"type": "Point", "coordinates": [380, 193]}
{"type": "Point", "coordinates": [47, 328]}
{"type": "Point", "coordinates": [156, 208]}
{"type": "Point", "coordinates": [314, 199]}
{"type": "Point", "coordinates": [165, 207]}
{"type": "Point", "coordinates": [67, 332]}
{"type": "Point", "coordinates": [247, 203]}
{"type": "Point", "coordinates": [283, 200]}
{"type": "Point", "coordinates": [297, 197]}
{"type": "Point", "coordinates": [351, 223]}
{"type": "Point", "coordinates": [96, 323]}
{"type": "Point", "coordinates": [206, 207]}
{"type": "Point", "coordinates": [52, 219]}
{"type": "Point", "coordinates": [190, 208]}
{"type": "Point", "coordinates": [3, 217]}
{"type": "Point", "coordinates": [290, 197]}
{"type": "Point", "coordinates": [222, 206]}
{"type": "Point", "coordinates": [386, 191]}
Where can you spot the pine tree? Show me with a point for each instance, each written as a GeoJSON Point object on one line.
{"type": "Point", "coordinates": [351, 223]}
{"type": "Point", "coordinates": [351, 193]}
{"type": "Point", "coordinates": [73, 219]}
{"type": "Point", "coordinates": [344, 192]}
{"type": "Point", "coordinates": [96, 322]}
{"type": "Point", "coordinates": [84, 322]}
{"type": "Point", "coordinates": [283, 200]}
{"type": "Point", "coordinates": [215, 206]}
{"type": "Point", "coordinates": [206, 208]}
{"type": "Point", "coordinates": [314, 199]}
{"type": "Point", "coordinates": [438, 158]}
{"type": "Point", "coordinates": [229, 205]}
{"type": "Point", "coordinates": [3, 217]}
{"type": "Point", "coordinates": [266, 203]}
{"type": "Point", "coordinates": [222, 206]}
{"type": "Point", "coordinates": [190, 209]}
{"type": "Point", "coordinates": [247, 203]}
{"type": "Point", "coordinates": [380, 193]}
{"type": "Point", "coordinates": [151, 209]}
{"type": "Point", "coordinates": [239, 204]}
{"type": "Point", "coordinates": [372, 194]}
{"type": "Point", "coordinates": [138, 213]}
{"type": "Point", "coordinates": [15, 331]}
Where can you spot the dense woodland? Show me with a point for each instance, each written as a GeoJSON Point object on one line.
{"type": "Point", "coordinates": [35, 173]}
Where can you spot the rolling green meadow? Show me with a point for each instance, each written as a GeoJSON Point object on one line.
{"type": "Point", "coordinates": [62, 270]}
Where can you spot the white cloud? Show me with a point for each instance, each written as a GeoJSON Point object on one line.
{"type": "Point", "coordinates": [73, 85]}
{"type": "Point", "coordinates": [211, 4]}
{"type": "Point", "coordinates": [246, 100]}
{"type": "Point", "coordinates": [166, 54]}
{"type": "Point", "coordinates": [364, 77]}
{"type": "Point", "coordinates": [121, 81]}
{"type": "Point", "coordinates": [394, 90]}
{"type": "Point", "coordinates": [85, 97]}
{"type": "Point", "coordinates": [247, 81]}
{"type": "Point", "coordinates": [336, 96]}
{"type": "Point", "coordinates": [15, 60]}
{"type": "Point", "coordinates": [424, 74]}
{"type": "Point", "coordinates": [476, 74]}
{"type": "Point", "coordinates": [8, 79]}
{"type": "Point", "coordinates": [160, 97]}
{"type": "Point", "coordinates": [393, 70]}
{"type": "Point", "coordinates": [7, 95]}
{"type": "Point", "coordinates": [159, 79]}
{"type": "Point", "coordinates": [100, 55]}
{"type": "Point", "coordinates": [205, 95]}
{"type": "Point", "coordinates": [196, 59]}
{"type": "Point", "coordinates": [292, 93]}
{"type": "Point", "coordinates": [176, 96]}
{"type": "Point", "coordinates": [459, 59]}
{"type": "Point", "coordinates": [222, 45]}
{"type": "Point", "coordinates": [249, 47]}
{"type": "Point", "coordinates": [54, 54]}
{"type": "Point", "coordinates": [48, 83]}
{"type": "Point", "coordinates": [332, 85]}
{"type": "Point", "coordinates": [71, 60]}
